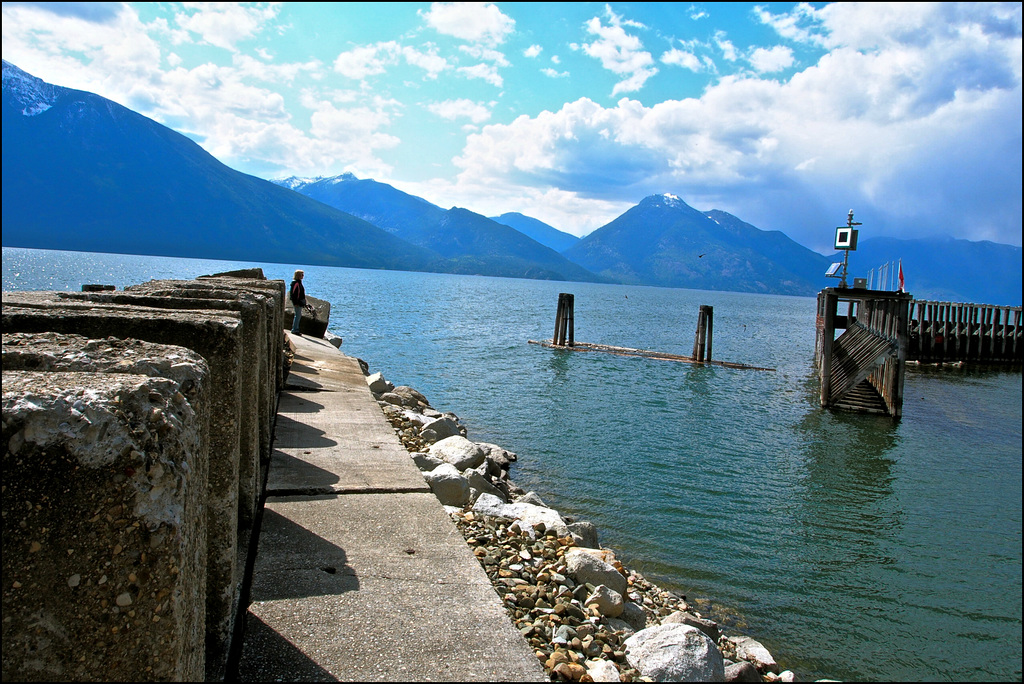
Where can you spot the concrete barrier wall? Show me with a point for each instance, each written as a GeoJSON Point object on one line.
{"type": "Point", "coordinates": [213, 350]}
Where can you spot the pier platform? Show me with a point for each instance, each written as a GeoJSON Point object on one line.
{"type": "Point", "coordinates": [360, 574]}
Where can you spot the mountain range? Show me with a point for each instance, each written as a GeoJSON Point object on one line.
{"type": "Point", "coordinates": [83, 173]}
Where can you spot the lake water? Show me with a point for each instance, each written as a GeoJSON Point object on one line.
{"type": "Point", "coordinates": [853, 547]}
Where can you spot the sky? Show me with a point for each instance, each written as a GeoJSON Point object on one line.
{"type": "Point", "coordinates": [786, 115]}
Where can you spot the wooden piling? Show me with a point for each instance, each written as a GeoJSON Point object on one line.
{"type": "Point", "coordinates": [703, 338]}
{"type": "Point", "coordinates": [564, 333]}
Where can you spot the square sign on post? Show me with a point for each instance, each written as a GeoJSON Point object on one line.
{"type": "Point", "coordinates": [846, 238]}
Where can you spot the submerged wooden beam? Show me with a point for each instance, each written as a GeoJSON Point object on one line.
{"type": "Point", "coordinates": [643, 353]}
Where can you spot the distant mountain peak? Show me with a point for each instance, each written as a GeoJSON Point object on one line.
{"type": "Point", "coordinates": [296, 182]}
{"type": "Point", "coordinates": [293, 182]}
{"type": "Point", "coordinates": [33, 95]}
{"type": "Point", "coordinates": [665, 199]}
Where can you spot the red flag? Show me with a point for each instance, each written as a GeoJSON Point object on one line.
{"type": "Point", "coordinates": [901, 275]}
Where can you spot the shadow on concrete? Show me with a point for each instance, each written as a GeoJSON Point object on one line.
{"type": "Point", "coordinates": [291, 473]}
{"type": "Point", "coordinates": [279, 659]}
{"type": "Point", "coordinates": [303, 368]}
{"type": "Point", "coordinates": [293, 562]}
{"type": "Point", "coordinates": [299, 403]}
{"type": "Point", "coordinates": [291, 434]}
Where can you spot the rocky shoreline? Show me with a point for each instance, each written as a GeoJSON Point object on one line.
{"type": "Point", "coordinates": [586, 616]}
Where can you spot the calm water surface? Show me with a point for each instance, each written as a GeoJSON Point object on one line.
{"type": "Point", "coordinates": [852, 547]}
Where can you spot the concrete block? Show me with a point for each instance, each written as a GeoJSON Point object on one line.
{"type": "Point", "coordinates": [104, 548]}
{"type": "Point", "coordinates": [257, 383]}
{"type": "Point", "coordinates": [56, 352]}
{"type": "Point", "coordinates": [215, 335]}
{"type": "Point", "coordinates": [275, 288]}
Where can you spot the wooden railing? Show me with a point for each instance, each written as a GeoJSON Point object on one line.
{"type": "Point", "coordinates": [949, 332]}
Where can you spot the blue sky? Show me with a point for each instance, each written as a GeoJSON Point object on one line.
{"type": "Point", "coordinates": [784, 114]}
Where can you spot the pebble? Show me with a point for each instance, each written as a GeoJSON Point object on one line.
{"type": "Point", "coordinates": [526, 568]}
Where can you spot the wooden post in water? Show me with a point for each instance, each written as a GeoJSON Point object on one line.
{"type": "Point", "coordinates": [564, 335]}
{"type": "Point", "coordinates": [703, 338]}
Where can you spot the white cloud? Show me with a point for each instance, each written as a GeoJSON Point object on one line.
{"type": "Point", "coordinates": [475, 22]}
{"type": "Point", "coordinates": [682, 58]}
{"type": "Point", "coordinates": [485, 54]}
{"type": "Point", "coordinates": [788, 25]}
{"type": "Point", "coordinates": [729, 51]}
{"type": "Point", "coordinates": [427, 59]}
{"type": "Point", "coordinates": [224, 24]}
{"type": "Point", "coordinates": [367, 60]}
{"type": "Point", "coordinates": [532, 51]}
{"type": "Point", "coordinates": [921, 133]}
{"type": "Point", "coordinates": [364, 61]}
{"type": "Point", "coordinates": [486, 72]}
{"type": "Point", "coordinates": [620, 52]}
{"type": "Point", "coordinates": [461, 108]}
{"type": "Point", "coordinates": [770, 60]}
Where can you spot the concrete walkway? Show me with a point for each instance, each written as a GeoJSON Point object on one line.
{"type": "Point", "coordinates": [360, 575]}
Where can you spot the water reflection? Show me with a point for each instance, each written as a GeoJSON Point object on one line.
{"type": "Point", "coordinates": [847, 509]}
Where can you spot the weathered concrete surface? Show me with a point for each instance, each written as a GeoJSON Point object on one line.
{"type": "Point", "coordinates": [257, 385]}
{"type": "Point", "coordinates": [372, 581]}
{"type": "Point", "coordinates": [254, 340]}
{"type": "Point", "coordinates": [104, 547]}
{"type": "Point", "coordinates": [217, 337]}
{"type": "Point", "coordinates": [331, 435]}
{"type": "Point", "coordinates": [253, 281]}
{"type": "Point", "coordinates": [55, 352]}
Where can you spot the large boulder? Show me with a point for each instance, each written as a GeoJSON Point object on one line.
{"type": "Point", "coordinates": [750, 650]}
{"type": "Point", "coordinates": [410, 396]}
{"type": "Point", "coordinates": [457, 450]}
{"type": "Point", "coordinates": [528, 515]}
{"type": "Point", "coordinates": [377, 384]}
{"type": "Point", "coordinates": [439, 429]}
{"type": "Point", "coordinates": [675, 653]}
{"type": "Point", "coordinates": [742, 672]}
{"type": "Point", "coordinates": [634, 615]}
{"type": "Point", "coordinates": [498, 459]}
{"type": "Point", "coordinates": [448, 485]}
{"type": "Point", "coordinates": [681, 617]}
{"type": "Point", "coordinates": [425, 462]}
{"type": "Point", "coordinates": [607, 601]}
{"type": "Point", "coordinates": [480, 483]}
{"type": "Point", "coordinates": [587, 568]}
{"type": "Point", "coordinates": [584, 533]}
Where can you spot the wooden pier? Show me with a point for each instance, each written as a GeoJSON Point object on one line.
{"type": "Point", "coordinates": [564, 338]}
{"type": "Point", "coordinates": [944, 332]}
{"type": "Point", "coordinates": [862, 370]}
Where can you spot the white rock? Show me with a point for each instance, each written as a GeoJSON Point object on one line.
{"type": "Point", "coordinates": [675, 653]}
{"type": "Point", "coordinates": [634, 615]}
{"type": "Point", "coordinates": [441, 428]}
{"type": "Point", "coordinates": [448, 485]}
{"type": "Point", "coordinates": [458, 451]}
{"type": "Point", "coordinates": [753, 651]}
{"type": "Point", "coordinates": [602, 671]}
{"type": "Point", "coordinates": [377, 383]}
{"type": "Point", "coordinates": [426, 462]}
{"type": "Point", "coordinates": [587, 568]}
{"type": "Point", "coordinates": [608, 602]}
{"type": "Point", "coordinates": [528, 514]}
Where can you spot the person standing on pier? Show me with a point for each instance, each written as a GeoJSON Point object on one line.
{"type": "Point", "coordinates": [297, 294]}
